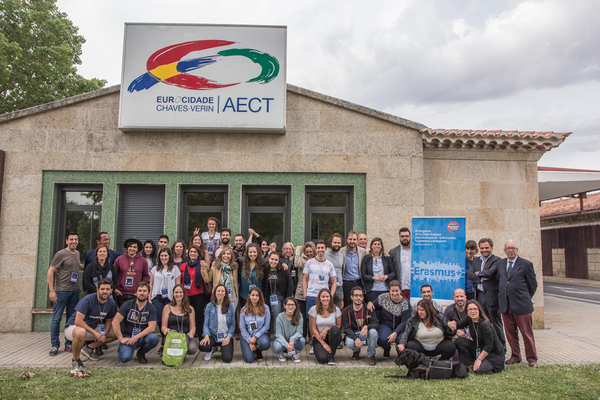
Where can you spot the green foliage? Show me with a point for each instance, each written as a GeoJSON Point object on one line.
{"type": "Point", "coordinates": [39, 51]}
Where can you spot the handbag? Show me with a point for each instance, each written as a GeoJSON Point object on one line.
{"type": "Point", "coordinates": [175, 348]}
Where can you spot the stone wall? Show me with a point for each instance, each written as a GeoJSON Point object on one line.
{"type": "Point", "coordinates": [593, 264]}
{"type": "Point", "coordinates": [559, 267]}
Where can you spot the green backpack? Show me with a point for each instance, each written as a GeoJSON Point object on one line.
{"type": "Point", "coordinates": [175, 348]}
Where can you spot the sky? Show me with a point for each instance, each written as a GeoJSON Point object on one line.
{"type": "Point", "coordinates": [452, 64]}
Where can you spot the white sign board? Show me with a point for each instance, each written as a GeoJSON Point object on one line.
{"type": "Point", "coordinates": [203, 77]}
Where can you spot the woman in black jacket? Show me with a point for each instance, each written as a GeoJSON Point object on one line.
{"type": "Point", "coordinates": [376, 271]}
{"type": "Point", "coordinates": [277, 285]}
{"type": "Point", "coordinates": [428, 333]}
{"type": "Point", "coordinates": [482, 350]}
{"type": "Point", "coordinates": [99, 269]}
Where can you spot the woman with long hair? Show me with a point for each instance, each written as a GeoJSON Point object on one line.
{"type": "Point", "coordinates": [255, 320]}
{"type": "Point", "coordinates": [219, 325]}
{"type": "Point", "coordinates": [163, 278]}
{"type": "Point", "coordinates": [483, 351]}
{"type": "Point", "coordinates": [325, 322]}
{"type": "Point", "coordinates": [179, 251]}
{"type": "Point", "coordinates": [376, 271]}
{"type": "Point", "coordinates": [196, 240]}
{"type": "Point", "coordinates": [99, 269]}
{"type": "Point", "coordinates": [265, 248]}
{"type": "Point", "coordinates": [302, 255]}
{"type": "Point", "coordinates": [150, 252]}
{"type": "Point", "coordinates": [253, 271]}
{"type": "Point", "coordinates": [212, 237]}
{"type": "Point", "coordinates": [193, 283]}
{"type": "Point", "coordinates": [278, 286]}
{"type": "Point", "coordinates": [289, 332]}
{"type": "Point", "coordinates": [428, 333]}
{"type": "Point", "coordinates": [180, 317]}
{"type": "Point", "coordinates": [225, 271]}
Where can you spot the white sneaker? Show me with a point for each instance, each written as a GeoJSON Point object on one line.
{"type": "Point", "coordinates": [312, 350]}
{"type": "Point", "coordinates": [296, 358]}
{"type": "Point", "coordinates": [208, 356]}
{"type": "Point", "coordinates": [281, 357]}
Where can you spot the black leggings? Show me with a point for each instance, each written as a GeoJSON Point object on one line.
{"type": "Point", "coordinates": [467, 354]}
{"type": "Point", "coordinates": [446, 348]}
{"type": "Point", "coordinates": [333, 339]}
{"type": "Point", "coordinates": [226, 351]}
{"type": "Point", "coordinates": [197, 301]}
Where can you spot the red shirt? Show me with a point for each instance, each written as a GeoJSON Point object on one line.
{"type": "Point", "coordinates": [193, 290]}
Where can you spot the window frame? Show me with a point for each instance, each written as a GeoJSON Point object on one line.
{"type": "Point", "coordinates": [185, 209]}
{"type": "Point", "coordinates": [267, 189]}
{"type": "Point", "coordinates": [348, 211]}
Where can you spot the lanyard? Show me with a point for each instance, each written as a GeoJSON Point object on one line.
{"type": "Point", "coordinates": [139, 326]}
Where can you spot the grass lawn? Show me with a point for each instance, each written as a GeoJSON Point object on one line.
{"type": "Point", "coordinates": [517, 382]}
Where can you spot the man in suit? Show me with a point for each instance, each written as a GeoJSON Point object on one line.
{"type": "Point", "coordinates": [517, 285]}
{"type": "Point", "coordinates": [353, 256]}
{"type": "Point", "coordinates": [486, 284]}
{"type": "Point", "coordinates": [401, 259]}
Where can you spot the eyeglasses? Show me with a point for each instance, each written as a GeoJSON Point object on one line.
{"type": "Point", "coordinates": [510, 248]}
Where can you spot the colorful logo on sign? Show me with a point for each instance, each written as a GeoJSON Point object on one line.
{"type": "Point", "coordinates": [453, 227]}
{"type": "Point", "coordinates": [166, 65]}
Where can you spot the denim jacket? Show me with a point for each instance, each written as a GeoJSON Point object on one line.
{"type": "Point", "coordinates": [211, 316]}
{"type": "Point", "coordinates": [263, 322]}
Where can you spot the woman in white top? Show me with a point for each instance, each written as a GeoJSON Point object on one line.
{"type": "Point", "coordinates": [325, 322]}
{"type": "Point", "coordinates": [211, 238]}
{"type": "Point", "coordinates": [163, 277]}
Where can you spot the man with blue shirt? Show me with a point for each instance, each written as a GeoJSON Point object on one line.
{"type": "Point", "coordinates": [91, 322]}
{"type": "Point", "coordinates": [101, 238]}
{"type": "Point", "coordinates": [353, 256]}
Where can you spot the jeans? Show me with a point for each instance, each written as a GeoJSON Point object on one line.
{"type": "Point", "coordinates": [372, 336]}
{"type": "Point", "coordinates": [145, 344]}
{"type": "Point", "coordinates": [278, 348]}
{"type": "Point", "coordinates": [275, 310]}
{"type": "Point", "coordinates": [159, 303]}
{"type": "Point", "coordinates": [64, 299]}
{"type": "Point", "coordinates": [384, 332]}
{"type": "Point", "coordinates": [310, 302]}
{"type": "Point", "coordinates": [263, 342]}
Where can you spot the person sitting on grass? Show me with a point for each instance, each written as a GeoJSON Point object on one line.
{"type": "Point", "coordinates": [178, 316]}
{"type": "Point", "coordinates": [483, 352]}
{"type": "Point", "coordinates": [91, 321]}
{"type": "Point", "coordinates": [219, 325]}
{"type": "Point", "coordinates": [134, 326]}
{"type": "Point", "coordinates": [360, 326]}
{"type": "Point", "coordinates": [289, 331]}
{"type": "Point", "coordinates": [255, 319]}
{"type": "Point", "coordinates": [325, 321]}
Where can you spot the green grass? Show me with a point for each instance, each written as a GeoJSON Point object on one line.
{"type": "Point", "coordinates": [521, 382]}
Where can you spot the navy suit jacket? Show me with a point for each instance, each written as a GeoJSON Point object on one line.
{"type": "Point", "coordinates": [490, 286]}
{"type": "Point", "coordinates": [519, 287]}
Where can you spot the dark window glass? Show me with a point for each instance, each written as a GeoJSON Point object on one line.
{"type": "Point", "coordinates": [322, 226]}
{"type": "Point", "coordinates": [84, 198]}
{"type": "Point", "coordinates": [327, 199]}
{"type": "Point", "coordinates": [205, 199]}
{"type": "Point", "coordinates": [266, 200]}
{"type": "Point", "coordinates": [269, 225]}
{"type": "Point", "coordinates": [87, 225]}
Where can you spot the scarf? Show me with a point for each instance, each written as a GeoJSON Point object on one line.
{"type": "Point", "coordinates": [226, 275]}
{"type": "Point", "coordinates": [99, 272]}
{"type": "Point", "coordinates": [187, 278]}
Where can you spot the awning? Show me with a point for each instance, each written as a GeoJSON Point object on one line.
{"type": "Point", "coordinates": [563, 182]}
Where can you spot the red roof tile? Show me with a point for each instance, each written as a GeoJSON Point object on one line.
{"type": "Point", "coordinates": [569, 206]}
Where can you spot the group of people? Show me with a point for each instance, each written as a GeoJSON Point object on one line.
{"type": "Point", "coordinates": [220, 292]}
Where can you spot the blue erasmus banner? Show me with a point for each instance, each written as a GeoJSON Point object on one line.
{"type": "Point", "coordinates": [438, 257]}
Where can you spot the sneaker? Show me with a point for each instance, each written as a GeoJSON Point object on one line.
{"type": "Point", "coordinates": [208, 356]}
{"type": "Point", "coordinates": [372, 360]}
{"type": "Point", "coordinates": [356, 355]}
{"type": "Point", "coordinates": [281, 358]}
{"type": "Point", "coordinates": [259, 356]}
{"type": "Point", "coordinates": [331, 360]}
{"type": "Point", "coordinates": [340, 346]}
{"type": "Point", "coordinates": [53, 351]}
{"type": "Point", "coordinates": [296, 358]}
{"type": "Point", "coordinates": [77, 365]}
{"type": "Point", "coordinates": [312, 350]}
{"type": "Point", "coordinates": [99, 351]}
{"type": "Point", "coordinates": [68, 348]}
{"type": "Point", "coordinates": [386, 352]}
{"type": "Point", "coordinates": [141, 357]}
{"type": "Point", "coordinates": [89, 353]}
{"type": "Point", "coordinates": [160, 351]}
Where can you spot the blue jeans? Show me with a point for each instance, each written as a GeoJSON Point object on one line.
{"type": "Point", "coordinates": [384, 332]}
{"type": "Point", "coordinates": [159, 303]}
{"type": "Point", "coordinates": [145, 344]}
{"type": "Point", "coordinates": [310, 302]}
{"type": "Point", "coordinates": [263, 342]}
{"type": "Point", "coordinates": [64, 299]}
{"type": "Point", "coordinates": [278, 348]}
{"type": "Point", "coordinates": [372, 336]}
{"type": "Point", "coordinates": [275, 310]}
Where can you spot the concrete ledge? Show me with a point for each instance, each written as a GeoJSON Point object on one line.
{"type": "Point", "coordinates": [572, 281]}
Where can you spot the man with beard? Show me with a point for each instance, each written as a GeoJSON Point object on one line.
{"type": "Point", "coordinates": [91, 321]}
{"type": "Point", "coordinates": [334, 256]}
{"type": "Point", "coordinates": [363, 242]}
{"type": "Point", "coordinates": [134, 326]}
{"type": "Point", "coordinates": [401, 259]}
{"type": "Point", "coordinates": [458, 311]}
{"type": "Point", "coordinates": [225, 239]}
{"type": "Point", "coordinates": [239, 245]}
{"type": "Point", "coordinates": [353, 256]}
{"type": "Point", "coordinates": [486, 288]}
{"type": "Point", "coordinates": [101, 238]}
{"type": "Point", "coordinates": [132, 268]}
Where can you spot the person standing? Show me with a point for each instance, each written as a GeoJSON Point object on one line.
{"type": "Point", "coordinates": [353, 256]}
{"type": "Point", "coordinates": [211, 238]}
{"type": "Point", "coordinates": [225, 239]}
{"type": "Point", "coordinates": [132, 268]}
{"type": "Point", "coordinates": [99, 269]}
{"type": "Point", "coordinates": [150, 252]}
{"type": "Point", "coordinates": [179, 253]}
{"type": "Point", "coordinates": [225, 271]}
{"type": "Point", "coordinates": [318, 272]}
{"type": "Point", "coordinates": [301, 257]}
{"type": "Point", "coordinates": [470, 251]}
{"type": "Point", "coordinates": [278, 286]}
{"type": "Point", "coordinates": [287, 260]}
{"type": "Point", "coordinates": [63, 288]}
{"type": "Point", "coordinates": [104, 239]}
{"type": "Point", "coordinates": [360, 326]}
{"type": "Point", "coordinates": [191, 277]}
{"type": "Point", "coordinates": [401, 258]}
{"type": "Point", "coordinates": [363, 241]}
{"type": "Point", "coordinates": [376, 271]}
{"type": "Point", "coordinates": [335, 257]}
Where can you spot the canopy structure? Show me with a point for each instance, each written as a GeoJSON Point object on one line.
{"type": "Point", "coordinates": [563, 182]}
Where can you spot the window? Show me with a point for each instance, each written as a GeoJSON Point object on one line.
{"type": "Point", "coordinates": [329, 209]}
{"type": "Point", "coordinates": [141, 213]}
{"type": "Point", "coordinates": [266, 209]}
{"type": "Point", "coordinates": [200, 203]}
{"type": "Point", "coordinates": [79, 210]}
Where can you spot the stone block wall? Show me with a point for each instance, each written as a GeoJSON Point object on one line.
{"type": "Point", "coordinates": [593, 264]}
{"type": "Point", "coordinates": [559, 268]}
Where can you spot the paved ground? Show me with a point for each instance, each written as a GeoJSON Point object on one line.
{"type": "Point", "coordinates": [571, 336]}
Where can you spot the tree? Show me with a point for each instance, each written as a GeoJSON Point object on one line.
{"type": "Point", "coordinates": [39, 51]}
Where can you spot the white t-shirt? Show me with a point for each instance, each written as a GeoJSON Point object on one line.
{"type": "Point", "coordinates": [164, 280]}
{"type": "Point", "coordinates": [319, 275]}
{"type": "Point", "coordinates": [406, 268]}
{"type": "Point", "coordinates": [323, 323]}
{"type": "Point", "coordinates": [222, 327]}
{"type": "Point", "coordinates": [209, 244]}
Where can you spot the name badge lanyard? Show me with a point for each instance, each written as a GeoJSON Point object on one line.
{"type": "Point", "coordinates": [137, 328]}
{"type": "Point", "coordinates": [273, 287]}
{"type": "Point", "coordinates": [102, 311]}
{"type": "Point", "coordinates": [164, 291]}
{"type": "Point", "coordinates": [477, 349]}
